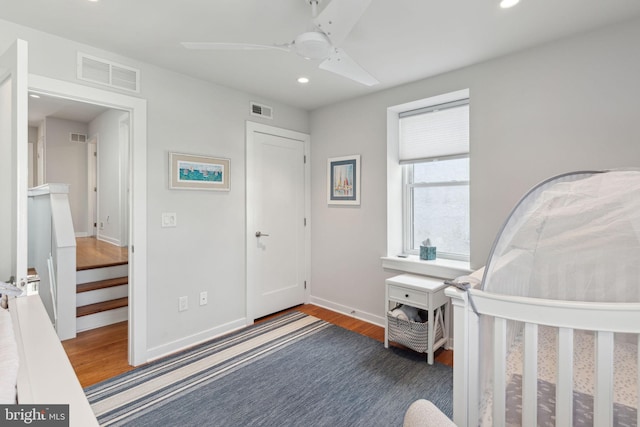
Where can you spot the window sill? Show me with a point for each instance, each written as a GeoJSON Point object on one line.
{"type": "Point", "coordinates": [442, 268]}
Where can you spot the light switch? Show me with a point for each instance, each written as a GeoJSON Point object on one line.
{"type": "Point", "coordinates": [169, 219]}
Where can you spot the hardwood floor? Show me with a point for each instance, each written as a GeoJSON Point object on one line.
{"type": "Point", "coordinates": [100, 354]}
{"type": "Point", "coordinates": [92, 253]}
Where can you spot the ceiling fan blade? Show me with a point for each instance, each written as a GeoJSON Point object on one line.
{"type": "Point", "coordinates": [340, 63]}
{"type": "Point", "coordinates": [231, 46]}
{"type": "Point", "coordinates": [339, 17]}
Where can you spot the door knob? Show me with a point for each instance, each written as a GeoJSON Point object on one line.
{"type": "Point", "coordinates": [261, 234]}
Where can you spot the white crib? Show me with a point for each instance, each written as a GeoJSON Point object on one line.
{"type": "Point", "coordinates": [605, 319]}
{"type": "Point", "coordinates": [550, 334]}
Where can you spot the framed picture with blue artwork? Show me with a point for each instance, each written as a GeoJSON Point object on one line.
{"type": "Point", "coordinates": [192, 172]}
{"type": "Point", "coordinates": [343, 180]}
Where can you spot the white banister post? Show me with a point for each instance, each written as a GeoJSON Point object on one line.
{"type": "Point", "coordinates": [51, 231]}
{"type": "Point", "coordinates": [65, 262]}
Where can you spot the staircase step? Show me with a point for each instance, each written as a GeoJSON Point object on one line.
{"type": "Point", "coordinates": [100, 264]}
{"type": "Point", "coordinates": [101, 284]}
{"type": "Point", "coordinates": [86, 310]}
{"type": "Point", "coordinates": [97, 274]}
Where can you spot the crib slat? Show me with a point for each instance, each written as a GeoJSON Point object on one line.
{"type": "Point", "coordinates": [564, 383]}
{"type": "Point", "coordinates": [499, 360]}
{"type": "Point", "coordinates": [472, 374]}
{"type": "Point", "coordinates": [530, 376]}
{"type": "Point", "coordinates": [603, 397]}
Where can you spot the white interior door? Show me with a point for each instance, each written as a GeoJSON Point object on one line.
{"type": "Point", "coordinates": [276, 225]}
{"type": "Point", "coordinates": [13, 162]}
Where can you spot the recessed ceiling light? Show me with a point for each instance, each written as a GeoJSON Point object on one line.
{"type": "Point", "coordinates": [94, 1]}
{"type": "Point", "coordinates": [303, 80]}
{"type": "Point", "coordinates": [505, 4]}
{"type": "Point", "coordinates": [33, 95]}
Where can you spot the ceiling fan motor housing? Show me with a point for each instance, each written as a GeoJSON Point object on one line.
{"type": "Point", "coordinates": [312, 45]}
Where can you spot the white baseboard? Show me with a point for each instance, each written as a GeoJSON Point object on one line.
{"type": "Point", "coordinates": [108, 239]}
{"type": "Point", "coordinates": [190, 341]}
{"type": "Point", "coordinates": [349, 311]}
{"type": "Point", "coordinates": [104, 318]}
{"type": "Point", "coordinates": [81, 234]}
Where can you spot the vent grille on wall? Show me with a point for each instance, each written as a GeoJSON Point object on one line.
{"type": "Point", "coordinates": [261, 110]}
{"type": "Point", "coordinates": [78, 137]}
{"type": "Point", "coordinates": [98, 70]}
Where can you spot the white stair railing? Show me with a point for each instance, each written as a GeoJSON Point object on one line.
{"type": "Point", "coordinates": [52, 290]}
{"type": "Point", "coordinates": [52, 239]}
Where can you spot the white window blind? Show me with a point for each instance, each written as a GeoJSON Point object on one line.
{"type": "Point", "coordinates": [434, 132]}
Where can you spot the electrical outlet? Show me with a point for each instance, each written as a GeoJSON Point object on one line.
{"type": "Point", "coordinates": [183, 303]}
{"type": "Point", "coordinates": [169, 219]}
{"type": "Point", "coordinates": [203, 298]}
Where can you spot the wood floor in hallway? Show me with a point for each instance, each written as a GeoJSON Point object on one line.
{"type": "Point", "coordinates": [92, 253]}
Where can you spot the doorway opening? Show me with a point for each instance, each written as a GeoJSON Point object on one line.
{"type": "Point", "coordinates": [71, 134]}
{"type": "Point", "coordinates": [120, 223]}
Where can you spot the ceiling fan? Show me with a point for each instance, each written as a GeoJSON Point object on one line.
{"type": "Point", "coordinates": [330, 28]}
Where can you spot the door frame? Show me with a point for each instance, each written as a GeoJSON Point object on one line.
{"type": "Point", "coordinates": [124, 140]}
{"type": "Point", "coordinates": [137, 174]}
{"type": "Point", "coordinates": [15, 76]}
{"type": "Point", "coordinates": [92, 186]}
{"type": "Point", "coordinates": [251, 129]}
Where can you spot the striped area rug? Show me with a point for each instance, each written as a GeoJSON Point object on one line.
{"type": "Point", "coordinates": [293, 370]}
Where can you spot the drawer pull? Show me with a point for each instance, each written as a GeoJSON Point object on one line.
{"type": "Point", "coordinates": [406, 295]}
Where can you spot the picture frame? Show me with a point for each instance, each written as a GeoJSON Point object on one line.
{"type": "Point", "coordinates": [194, 172]}
{"type": "Point", "coordinates": [343, 180]}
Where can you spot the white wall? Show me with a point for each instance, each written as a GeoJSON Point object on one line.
{"type": "Point", "coordinates": [110, 197]}
{"type": "Point", "coordinates": [66, 163]}
{"type": "Point", "coordinates": [206, 251]}
{"type": "Point", "coordinates": [569, 105]}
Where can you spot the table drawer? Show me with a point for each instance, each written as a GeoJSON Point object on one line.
{"type": "Point", "coordinates": [408, 296]}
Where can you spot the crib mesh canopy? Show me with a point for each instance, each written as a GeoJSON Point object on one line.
{"type": "Point", "coordinates": [574, 237]}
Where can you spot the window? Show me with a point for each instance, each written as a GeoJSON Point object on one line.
{"type": "Point", "coordinates": [434, 152]}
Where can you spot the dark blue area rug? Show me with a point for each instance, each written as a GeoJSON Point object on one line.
{"type": "Point", "coordinates": [295, 370]}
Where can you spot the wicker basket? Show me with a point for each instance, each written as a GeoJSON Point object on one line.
{"type": "Point", "coordinates": [411, 334]}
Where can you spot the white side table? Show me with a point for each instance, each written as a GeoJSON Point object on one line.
{"type": "Point", "coordinates": [422, 292]}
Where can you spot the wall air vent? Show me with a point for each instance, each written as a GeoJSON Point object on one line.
{"type": "Point", "coordinates": [108, 73]}
{"type": "Point", "coordinates": [261, 110]}
{"type": "Point", "coordinates": [77, 137]}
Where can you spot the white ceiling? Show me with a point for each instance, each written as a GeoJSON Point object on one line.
{"type": "Point", "coordinates": [397, 41]}
{"type": "Point", "coordinates": [59, 108]}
